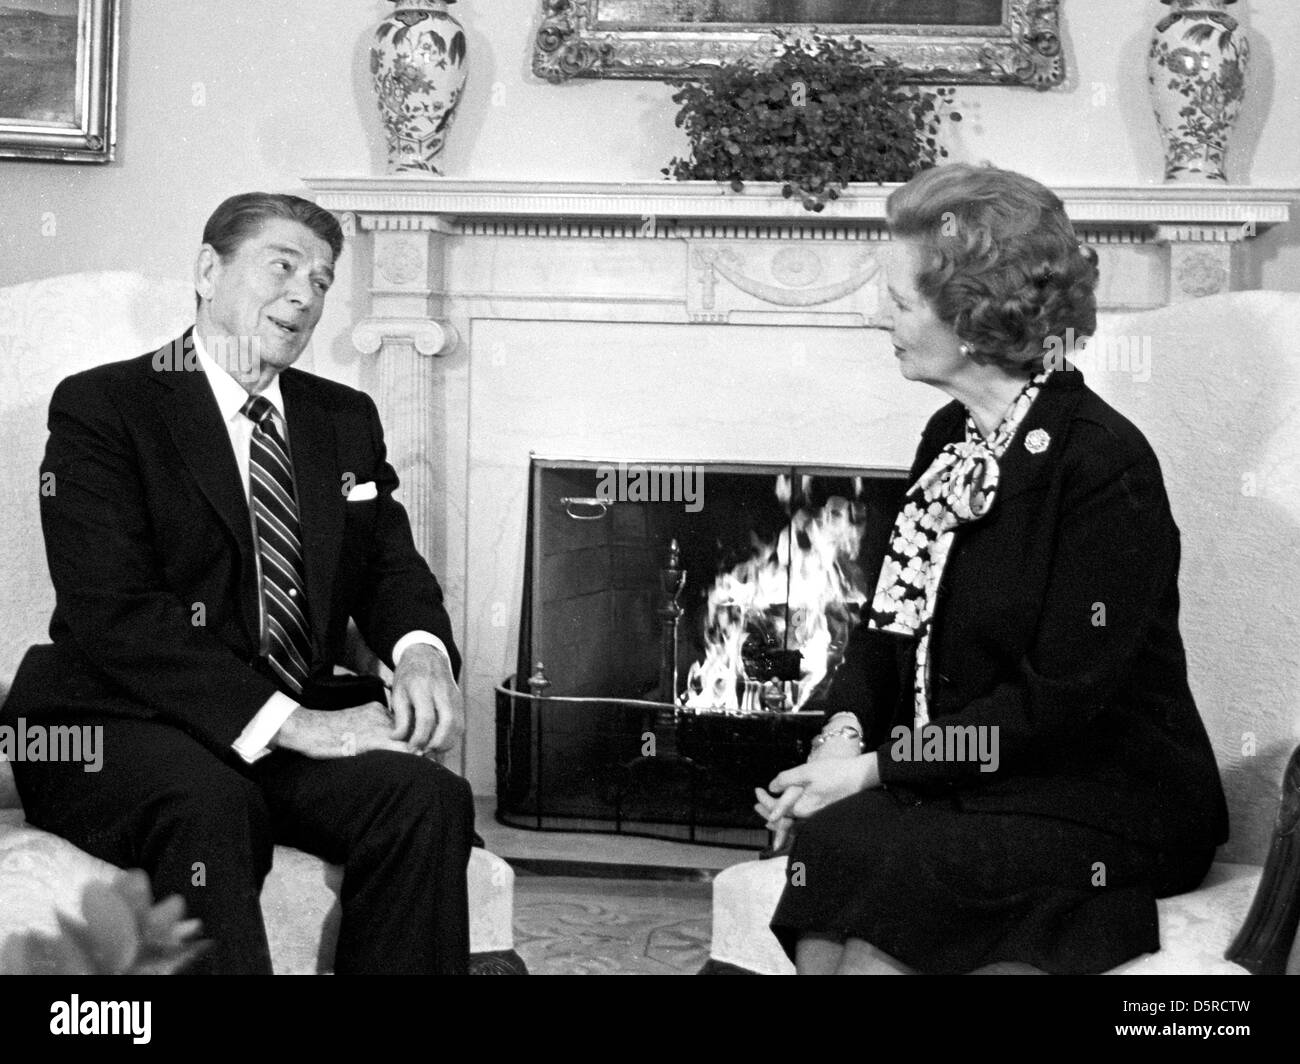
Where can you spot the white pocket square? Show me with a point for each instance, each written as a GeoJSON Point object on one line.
{"type": "Point", "coordinates": [363, 492]}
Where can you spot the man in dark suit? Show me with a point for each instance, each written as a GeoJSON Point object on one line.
{"type": "Point", "coordinates": [213, 520]}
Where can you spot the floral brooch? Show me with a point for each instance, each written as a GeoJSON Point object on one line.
{"type": "Point", "coordinates": [1037, 440]}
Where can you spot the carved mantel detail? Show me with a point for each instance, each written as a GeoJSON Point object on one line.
{"type": "Point", "coordinates": [427, 336]}
{"type": "Point", "coordinates": [762, 281]}
{"type": "Point", "coordinates": [406, 261]}
{"type": "Point", "coordinates": [1178, 238]}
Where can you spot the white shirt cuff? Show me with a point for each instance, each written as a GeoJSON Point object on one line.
{"type": "Point", "coordinates": [412, 638]}
{"type": "Point", "coordinates": [252, 744]}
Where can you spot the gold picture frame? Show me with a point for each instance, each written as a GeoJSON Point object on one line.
{"type": "Point", "coordinates": [982, 42]}
{"type": "Point", "coordinates": [58, 80]}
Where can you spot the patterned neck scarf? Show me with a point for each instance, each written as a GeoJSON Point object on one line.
{"type": "Point", "coordinates": [960, 486]}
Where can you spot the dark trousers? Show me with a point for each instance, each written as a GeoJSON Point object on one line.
{"type": "Point", "coordinates": [204, 827]}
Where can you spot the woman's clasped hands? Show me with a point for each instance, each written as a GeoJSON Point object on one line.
{"type": "Point", "coordinates": [835, 769]}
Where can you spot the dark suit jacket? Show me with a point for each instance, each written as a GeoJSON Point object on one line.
{"type": "Point", "coordinates": [152, 555]}
{"type": "Point", "coordinates": [1056, 623]}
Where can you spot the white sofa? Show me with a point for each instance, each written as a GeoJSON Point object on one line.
{"type": "Point", "coordinates": [1220, 403]}
{"type": "Point", "coordinates": [49, 329]}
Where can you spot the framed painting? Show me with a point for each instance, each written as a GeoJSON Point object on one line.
{"type": "Point", "coordinates": [58, 80]}
{"type": "Point", "coordinates": [1013, 42]}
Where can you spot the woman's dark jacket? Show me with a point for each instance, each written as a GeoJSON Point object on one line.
{"type": "Point", "coordinates": [1057, 624]}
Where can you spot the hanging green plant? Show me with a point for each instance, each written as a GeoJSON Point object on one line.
{"type": "Point", "coordinates": [819, 113]}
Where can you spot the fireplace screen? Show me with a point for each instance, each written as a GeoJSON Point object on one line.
{"type": "Point", "coordinates": [680, 627]}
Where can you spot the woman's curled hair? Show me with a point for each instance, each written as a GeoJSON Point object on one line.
{"type": "Point", "coordinates": [1005, 269]}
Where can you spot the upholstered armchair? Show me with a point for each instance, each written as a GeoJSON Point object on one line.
{"type": "Point", "coordinates": [49, 329]}
{"type": "Point", "coordinates": [1215, 385]}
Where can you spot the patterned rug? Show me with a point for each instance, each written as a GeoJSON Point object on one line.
{"type": "Point", "coordinates": [580, 926]}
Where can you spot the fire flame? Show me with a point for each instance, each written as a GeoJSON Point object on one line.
{"type": "Point", "coordinates": [823, 588]}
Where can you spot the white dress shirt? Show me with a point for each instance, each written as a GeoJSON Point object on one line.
{"type": "Point", "coordinates": [252, 744]}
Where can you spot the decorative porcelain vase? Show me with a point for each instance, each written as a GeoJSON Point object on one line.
{"type": "Point", "coordinates": [418, 66]}
{"type": "Point", "coordinates": [1197, 70]}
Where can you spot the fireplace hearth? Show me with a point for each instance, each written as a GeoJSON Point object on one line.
{"type": "Point", "coordinates": [680, 627]}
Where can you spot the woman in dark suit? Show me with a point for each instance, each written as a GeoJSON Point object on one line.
{"type": "Point", "coordinates": [1013, 767]}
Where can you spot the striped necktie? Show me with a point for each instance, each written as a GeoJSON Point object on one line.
{"type": "Point", "coordinates": [279, 543]}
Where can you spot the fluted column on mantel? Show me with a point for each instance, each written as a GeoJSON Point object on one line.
{"type": "Point", "coordinates": [405, 332]}
{"type": "Point", "coordinates": [405, 335]}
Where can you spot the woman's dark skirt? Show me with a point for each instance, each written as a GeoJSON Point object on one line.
{"type": "Point", "coordinates": [946, 891]}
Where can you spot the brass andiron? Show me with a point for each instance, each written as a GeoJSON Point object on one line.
{"type": "Point", "coordinates": [1265, 939]}
{"type": "Point", "coordinates": [672, 578]}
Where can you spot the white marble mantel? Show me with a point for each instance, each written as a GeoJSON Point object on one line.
{"type": "Point", "coordinates": [613, 320]}
{"type": "Point", "coordinates": [1152, 205]}
{"type": "Point", "coordinates": [1180, 241]}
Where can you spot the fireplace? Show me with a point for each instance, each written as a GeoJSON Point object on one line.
{"type": "Point", "coordinates": [680, 627]}
{"type": "Point", "coordinates": [668, 319]}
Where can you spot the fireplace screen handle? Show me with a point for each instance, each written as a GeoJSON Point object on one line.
{"type": "Point", "coordinates": [585, 509]}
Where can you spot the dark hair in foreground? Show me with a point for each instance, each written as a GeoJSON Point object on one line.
{"type": "Point", "coordinates": [1005, 268]}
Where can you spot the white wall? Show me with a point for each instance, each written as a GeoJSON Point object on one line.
{"type": "Point", "coordinates": [219, 98]}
